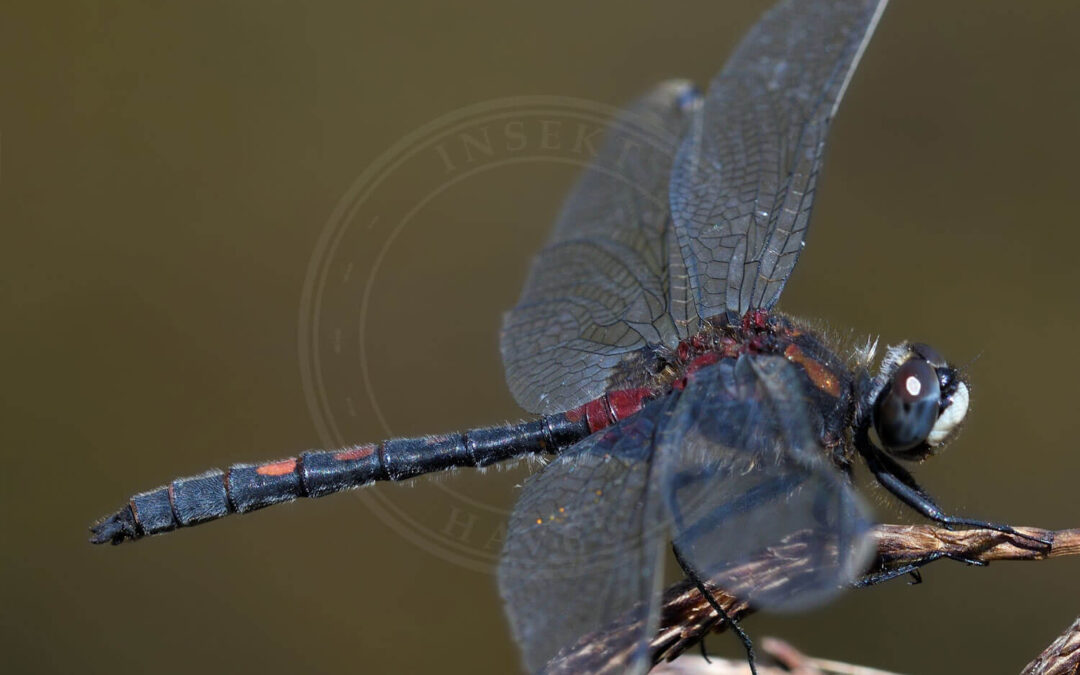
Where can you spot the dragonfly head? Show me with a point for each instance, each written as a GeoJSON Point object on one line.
{"type": "Point", "coordinates": [919, 402]}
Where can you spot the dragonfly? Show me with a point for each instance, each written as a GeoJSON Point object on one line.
{"type": "Point", "coordinates": [675, 405]}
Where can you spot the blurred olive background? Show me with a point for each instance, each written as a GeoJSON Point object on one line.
{"type": "Point", "coordinates": [166, 170]}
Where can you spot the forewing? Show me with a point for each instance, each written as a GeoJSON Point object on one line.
{"type": "Point", "coordinates": [755, 504]}
{"type": "Point", "coordinates": [584, 545]}
{"type": "Point", "coordinates": [743, 182]}
{"type": "Point", "coordinates": [611, 279]}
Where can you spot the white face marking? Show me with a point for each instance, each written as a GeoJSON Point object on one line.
{"type": "Point", "coordinates": [951, 418]}
{"type": "Point", "coordinates": [913, 385]}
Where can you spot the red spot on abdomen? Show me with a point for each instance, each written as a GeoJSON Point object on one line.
{"type": "Point", "coordinates": [277, 468]}
{"type": "Point", "coordinates": [625, 402]}
{"type": "Point", "coordinates": [598, 415]}
{"type": "Point", "coordinates": [359, 452]}
{"type": "Point", "coordinates": [613, 406]}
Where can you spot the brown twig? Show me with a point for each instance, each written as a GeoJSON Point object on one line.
{"type": "Point", "coordinates": [1062, 657]}
{"type": "Point", "coordinates": [686, 616]}
{"type": "Point", "coordinates": [786, 661]}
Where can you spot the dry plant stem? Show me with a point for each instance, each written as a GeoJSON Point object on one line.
{"type": "Point", "coordinates": [686, 616]}
{"type": "Point", "coordinates": [1062, 657]}
{"type": "Point", "coordinates": [788, 661]}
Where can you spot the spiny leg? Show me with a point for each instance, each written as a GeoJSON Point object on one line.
{"type": "Point", "coordinates": [912, 568]}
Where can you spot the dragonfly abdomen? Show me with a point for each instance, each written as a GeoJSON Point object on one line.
{"type": "Point", "coordinates": [248, 487]}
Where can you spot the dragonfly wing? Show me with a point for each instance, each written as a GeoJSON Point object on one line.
{"type": "Point", "coordinates": [746, 479]}
{"type": "Point", "coordinates": [729, 469]}
{"type": "Point", "coordinates": [611, 279]}
{"type": "Point", "coordinates": [585, 545]}
{"type": "Point", "coordinates": [744, 179]}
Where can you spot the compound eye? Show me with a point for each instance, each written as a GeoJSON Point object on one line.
{"type": "Point", "coordinates": [929, 354]}
{"type": "Point", "coordinates": [905, 413]}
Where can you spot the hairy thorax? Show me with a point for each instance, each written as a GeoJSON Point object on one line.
{"type": "Point", "coordinates": [826, 379]}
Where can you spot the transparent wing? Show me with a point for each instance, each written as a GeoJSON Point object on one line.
{"type": "Point", "coordinates": [585, 542]}
{"type": "Point", "coordinates": [746, 481]}
{"type": "Point", "coordinates": [611, 279]}
{"type": "Point", "coordinates": [743, 182]}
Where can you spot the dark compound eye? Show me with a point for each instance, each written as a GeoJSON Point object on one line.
{"type": "Point", "coordinates": [929, 354]}
{"type": "Point", "coordinates": [907, 408]}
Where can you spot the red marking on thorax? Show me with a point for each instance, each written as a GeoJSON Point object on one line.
{"type": "Point", "coordinates": [756, 319]}
{"type": "Point", "coordinates": [761, 333]}
{"type": "Point", "coordinates": [359, 452]}
{"type": "Point", "coordinates": [700, 362]}
{"type": "Point", "coordinates": [823, 378]}
{"type": "Point", "coordinates": [683, 351]}
{"type": "Point", "coordinates": [729, 347]}
{"type": "Point", "coordinates": [759, 344]}
{"type": "Point", "coordinates": [277, 468]}
{"type": "Point", "coordinates": [706, 359]}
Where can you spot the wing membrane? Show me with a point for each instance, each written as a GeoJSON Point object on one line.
{"type": "Point", "coordinates": [611, 279]}
{"type": "Point", "coordinates": [743, 182]}
{"type": "Point", "coordinates": [585, 543]}
{"type": "Point", "coordinates": [729, 469]}
{"type": "Point", "coordinates": [746, 480]}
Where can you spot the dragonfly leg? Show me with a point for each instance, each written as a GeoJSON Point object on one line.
{"type": "Point", "coordinates": [693, 576]}
{"type": "Point", "coordinates": [909, 568]}
{"type": "Point", "coordinates": [912, 568]}
{"type": "Point", "coordinates": [903, 570]}
{"type": "Point", "coordinates": [901, 483]}
{"type": "Point", "coordinates": [704, 653]}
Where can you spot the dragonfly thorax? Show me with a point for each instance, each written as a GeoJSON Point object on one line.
{"type": "Point", "coordinates": [826, 379]}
